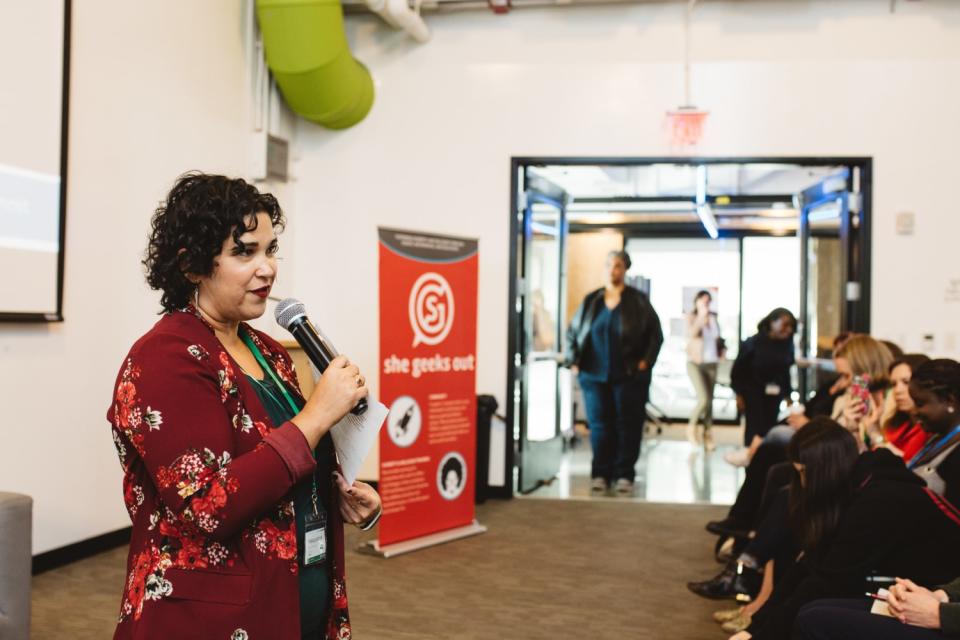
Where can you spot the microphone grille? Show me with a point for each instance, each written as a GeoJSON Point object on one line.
{"type": "Point", "coordinates": [288, 310]}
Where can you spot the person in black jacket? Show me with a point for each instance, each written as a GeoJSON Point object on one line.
{"type": "Point", "coordinates": [772, 452]}
{"type": "Point", "coordinates": [612, 343]}
{"type": "Point", "coordinates": [935, 389]}
{"type": "Point", "coordinates": [884, 523]}
{"type": "Point", "coordinates": [761, 375]}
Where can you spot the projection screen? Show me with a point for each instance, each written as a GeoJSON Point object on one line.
{"type": "Point", "coordinates": [34, 72]}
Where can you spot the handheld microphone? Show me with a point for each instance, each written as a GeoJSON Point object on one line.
{"type": "Point", "coordinates": [292, 316]}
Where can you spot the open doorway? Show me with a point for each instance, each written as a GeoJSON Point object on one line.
{"type": "Point", "coordinates": [757, 233]}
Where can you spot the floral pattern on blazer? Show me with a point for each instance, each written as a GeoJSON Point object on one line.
{"type": "Point", "coordinates": [208, 486]}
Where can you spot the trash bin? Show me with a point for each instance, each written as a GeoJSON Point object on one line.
{"type": "Point", "coordinates": [486, 408]}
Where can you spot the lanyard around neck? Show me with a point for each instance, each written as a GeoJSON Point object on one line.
{"type": "Point", "coordinates": [314, 495]}
{"type": "Point", "coordinates": [933, 448]}
{"type": "Point", "coordinates": [269, 371]}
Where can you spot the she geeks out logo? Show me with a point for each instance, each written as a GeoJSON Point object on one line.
{"type": "Point", "coordinates": [431, 309]}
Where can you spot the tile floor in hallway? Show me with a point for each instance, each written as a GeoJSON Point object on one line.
{"type": "Point", "coordinates": [670, 470]}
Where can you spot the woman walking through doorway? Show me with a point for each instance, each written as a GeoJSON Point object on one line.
{"type": "Point", "coordinates": [613, 342]}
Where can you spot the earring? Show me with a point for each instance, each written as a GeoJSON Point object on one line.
{"type": "Point", "coordinates": [196, 297]}
{"type": "Point", "coordinates": [950, 409]}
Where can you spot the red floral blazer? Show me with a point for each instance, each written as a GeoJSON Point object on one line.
{"type": "Point", "coordinates": [208, 486]}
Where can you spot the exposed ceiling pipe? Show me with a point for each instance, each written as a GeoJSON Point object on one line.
{"type": "Point", "coordinates": [307, 52]}
{"type": "Point", "coordinates": [399, 15]}
{"type": "Point", "coordinates": [498, 6]}
{"type": "Point", "coordinates": [450, 6]}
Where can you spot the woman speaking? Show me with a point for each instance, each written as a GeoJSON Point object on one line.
{"type": "Point", "coordinates": [230, 476]}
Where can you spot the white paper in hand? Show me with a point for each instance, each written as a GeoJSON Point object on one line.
{"type": "Point", "coordinates": [353, 437]}
{"type": "Point", "coordinates": [880, 607]}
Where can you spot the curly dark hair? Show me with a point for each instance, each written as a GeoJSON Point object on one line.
{"type": "Point", "coordinates": [452, 465]}
{"type": "Point", "coordinates": [940, 376]}
{"type": "Point", "coordinates": [763, 327]}
{"type": "Point", "coordinates": [189, 228]}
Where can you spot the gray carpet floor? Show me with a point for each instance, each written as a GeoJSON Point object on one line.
{"type": "Point", "coordinates": [546, 569]}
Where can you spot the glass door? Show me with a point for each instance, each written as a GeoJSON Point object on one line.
{"type": "Point", "coordinates": [675, 270]}
{"type": "Point", "coordinates": [825, 222]}
{"type": "Point", "coordinates": [544, 383]}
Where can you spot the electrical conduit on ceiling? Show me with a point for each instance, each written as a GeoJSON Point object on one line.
{"type": "Point", "coordinates": [307, 51]}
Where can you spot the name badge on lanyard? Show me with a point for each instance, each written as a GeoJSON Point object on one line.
{"type": "Point", "coordinates": [315, 539]}
{"type": "Point", "coordinates": [315, 523]}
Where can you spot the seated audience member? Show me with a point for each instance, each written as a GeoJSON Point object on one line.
{"type": "Point", "coordinates": [859, 356]}
{"type": "Point", "coordinates": [901, 432]}
{"type": "Point", "coordinates": [853, 517]}
{"type": "Point", "coordinates": [935, 389]}
{"type": "Point", "coordinates": [773, 538]}
{"type": "Point", "coordinates": [855, 355]}
{"type": "Point", "coordinates": [894, 349]}
{"type": "Point", "coordinates": [916, 613]}
{"type": "Point", "coordinates": [867, 362]}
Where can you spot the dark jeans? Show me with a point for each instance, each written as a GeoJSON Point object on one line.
{"type": "Point", "coordinates": [852, 620]}
{"type": "Point", "coordinates": [761, 414]}
{"type": "Point", "coordinates": [774, 539]}
{"type": "Point", "coordinates": [749, 498]}
{"type": "Point", "coordinates": [616, 413]}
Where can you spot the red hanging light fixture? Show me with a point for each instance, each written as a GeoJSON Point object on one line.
{"type": "Point", "coordinates": [685, 123]}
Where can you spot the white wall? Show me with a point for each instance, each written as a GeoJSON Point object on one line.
{"type": "Point", "coordinates": [157, 89]}
{"type": "Point", "coordinates": [160, 87]}
{"type": "Point", "coordinates": [780, 78]}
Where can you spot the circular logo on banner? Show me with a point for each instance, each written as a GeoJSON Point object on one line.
{"type": "Point", "coordinates": [403, 421]}
{"type": "Point", "coordinates": [451, 475]}
{"type": "Point", "coordinates": [431, 309]}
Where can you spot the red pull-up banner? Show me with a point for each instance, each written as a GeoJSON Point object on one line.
{"type": "Point", "coordinates": [428, 342]}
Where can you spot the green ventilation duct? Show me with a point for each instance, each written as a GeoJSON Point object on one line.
{"type": "Point", "coordinates": [308, 54]}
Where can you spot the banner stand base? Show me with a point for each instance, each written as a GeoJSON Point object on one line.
{"type": "Point", "coordinates": [372, 547]}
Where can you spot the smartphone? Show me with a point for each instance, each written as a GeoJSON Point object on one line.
{"type": "Point", "coordinates": [860, 388]}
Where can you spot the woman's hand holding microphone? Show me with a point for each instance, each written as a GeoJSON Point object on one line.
{"type": "Point", "coordinates": [338, 391]}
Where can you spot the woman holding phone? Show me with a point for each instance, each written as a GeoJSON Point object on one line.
{"type": "Point", "coordinates": [866, 363]}
{"type": "Point", "coordinates": [839, 500]}
{"type": "Point", "coordinates": [704, 351]}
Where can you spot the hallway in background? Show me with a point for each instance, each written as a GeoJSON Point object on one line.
{"type": "Point", "coordinates": [670, 470]}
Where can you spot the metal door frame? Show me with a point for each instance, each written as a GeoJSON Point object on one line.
{"type": "Point", "coordinates": [859, 260]}
{"type": "Point", "coordinates": [536, 190]}
{"type": "Point", "coordinates": [814, 197]}
{"type": "Point", "coordinates": [854, 228]}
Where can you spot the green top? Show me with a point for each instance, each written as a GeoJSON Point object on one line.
{"type": "Point", "coordinates": [315, 579]}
